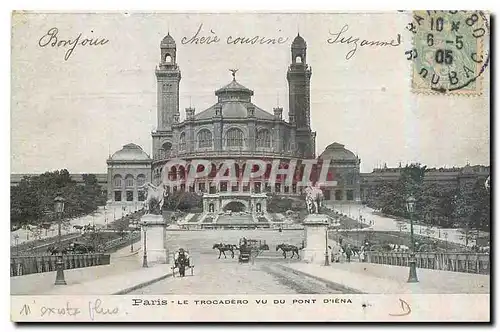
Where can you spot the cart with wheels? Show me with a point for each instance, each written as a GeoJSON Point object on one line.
{"type": "Point", "coordinates": [181, 265]}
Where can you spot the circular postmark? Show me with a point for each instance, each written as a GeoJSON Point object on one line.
{"type": "Point", "coordinates": [450, 50]}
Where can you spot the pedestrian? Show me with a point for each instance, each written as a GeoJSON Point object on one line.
{"type": "Point", "coordinates": [362, 255]}
{"type": "Point", "coordinates": [348, 253]}
{"type": "Point", "coordinates": [336, 253]}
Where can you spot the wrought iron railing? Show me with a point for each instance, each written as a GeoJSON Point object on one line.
{"type": "Point", "coordinates": [121, 242]}
{"type": "Point", "coordinates": [457, 262]}
{"type": "Point", "coordinates": [23, 265]}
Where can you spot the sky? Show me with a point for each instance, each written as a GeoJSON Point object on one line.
{"type": "Point", "coordinates": [73, 113]}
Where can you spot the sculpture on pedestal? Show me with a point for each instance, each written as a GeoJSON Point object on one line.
{"type": "Point", "coordinates": [155, 198]}
{"type": "Point", "coordinates": [314, 199]}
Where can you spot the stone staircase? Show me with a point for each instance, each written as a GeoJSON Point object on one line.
{"type": "Point", "coordinates": [235, 219]}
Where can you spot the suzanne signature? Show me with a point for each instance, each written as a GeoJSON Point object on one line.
{"type": "Point", "coordinates": [52, 39]}
{"type": "Point", "coordinates": [339, 38]}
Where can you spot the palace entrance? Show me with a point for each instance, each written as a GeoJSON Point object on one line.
{"type": "Point", "coordinates": [235, 207]}
{"type": "Point", "coordinates": [234, 202]}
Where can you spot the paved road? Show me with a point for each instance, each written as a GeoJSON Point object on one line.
{"type": "Point", "coordinates": [122, 261]}
{"type": "Point", "coordinates": [389, 224]}
{"type": "Point", "coordinates": [213, 276]}
{"type": "Point", "coordinates": [100, 217]}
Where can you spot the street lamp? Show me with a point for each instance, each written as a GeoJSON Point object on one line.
{"type": "Point", "coordinates": [16, 242]}
{"type": "Point", "coordinates": [327, 261]}
{"type": "Point", "coordinates": [59, 210]}
{"type": "Point", "coordinates": [145, 249]}
{"type": "Point", "coordinates": [105, 218]}
{"type": "Point", "coordinates": [131, 227]}
{"type": "Point", "coordinates": [410, 207]}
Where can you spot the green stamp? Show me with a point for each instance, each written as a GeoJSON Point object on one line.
{"type": "Point", "coordinates": [450, 51]}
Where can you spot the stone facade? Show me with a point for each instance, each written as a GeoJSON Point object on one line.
{"type": "Point", "coordinates": [343, 168]}
{"type": "Point", "coordinates": [455, 177]}
{"type": "Point", "coordinates": [233, 128]}
{"type": "Point", "coordinates": [128, 169]}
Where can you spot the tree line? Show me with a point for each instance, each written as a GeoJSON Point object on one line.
{"type": "Point", "coordinates": [445, 205]}
{"type": "Point", "coordinates": [32, 201]}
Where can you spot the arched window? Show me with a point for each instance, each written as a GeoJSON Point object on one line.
{"type": "Point", "coordinates": [302, 148]}
{"type": "Point", "coordinates": [168, 58]}
{"type": "Point", "coordinates": [182, 141]}
{"type": "Point", "coordinates": [234, 137]}
{"type": "Point", "coordinates": [117, 181]}
{"type": "Point", "coordinates": [263, 138]}
{"type": "Point", "coordinates": [298, 59]}
{"type": "Point", "coordinates": [129, 181]}
{"type": "Point", "coordinates": [166, 147]}
{"type": "Point", "coordinates": [204, 138]}
{"type": "Point", "coordinates": [141, 179]}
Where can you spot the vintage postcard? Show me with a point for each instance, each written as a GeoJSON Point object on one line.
{"type": "Point", "coordinates": [230, 167]}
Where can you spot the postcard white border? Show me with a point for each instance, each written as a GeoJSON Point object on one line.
{"type": "Point", "coordinates": [184, 5]}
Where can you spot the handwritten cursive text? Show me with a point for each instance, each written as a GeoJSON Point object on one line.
{"type": "Point", "coordinates": [96, 308]}
{"type": "Point", "coordinates": [200, 38]}
{"type": "Point", "coordinates": [405, 308]}
{"type": "Point", "coordinates": [62, 311]}
{"type": "Point", "coordinates": [52, 39]}
{"type": "Point", "coordinates": [338, 38]}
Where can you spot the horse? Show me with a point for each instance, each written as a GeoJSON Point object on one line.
{"type": "Point", "coordinates": [288, 247]}
{"type": "Point", "coordinates": [225, 247]}
{"type": "Point", "coordinates": [264, 246]}
{"type": "Point", "coordinates": [154, 193]}
{"type": "Point", "coordinates": [314, 199]}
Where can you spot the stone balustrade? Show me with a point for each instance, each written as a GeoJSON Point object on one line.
{"type": "Point", "coordinates": [457, 262]}
{"type": "Point", "coordinates": [202, 154]}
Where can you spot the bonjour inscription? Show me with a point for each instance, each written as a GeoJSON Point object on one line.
{"type": "Point", "coordinates": [201, 36]}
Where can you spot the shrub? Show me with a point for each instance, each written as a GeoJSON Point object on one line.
{"type": "Point", "coordinates": [184, 201]}
{"type": "Point", "coordinates": [281, 204]}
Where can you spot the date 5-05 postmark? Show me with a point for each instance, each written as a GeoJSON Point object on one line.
{"type": "Point", "coordinates": [450, 51]}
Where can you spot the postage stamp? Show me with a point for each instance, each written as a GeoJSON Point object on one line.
{"type": "Point", "coordinates": [450, 51]}
{"type": "Point", "coordinates": [237, 167]}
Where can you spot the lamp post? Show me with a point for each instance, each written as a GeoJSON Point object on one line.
{"type": "Point", "coordinates": [59, 209]}
{"type": "Point", "coordinates": [145, 249]}
{"type": "Point", "coordinates": [131, 227]}
{"type": "Point", "coordinates": [410, 206]}
{"type": "Point", "coordinates": [327, 261]}
{"type": "Point", "coordinates": [105, 218]}
{"type": "Point", "coordinates": [16, 242]}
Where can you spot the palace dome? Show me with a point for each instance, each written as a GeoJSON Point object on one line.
{"type": "Point", "coordinates": [337, 151]}
{"type": "Point", "coordinates": [130, 152]}
{"type": "Point", "coordinates": [234, 101]}
{"type": "Point", "coordinates": [234, 86]}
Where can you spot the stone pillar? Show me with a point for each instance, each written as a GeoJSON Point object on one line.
{"type": "Point", "coordinates": [316, 227]}
{"type": "Point", "coordinates": [154, 229]}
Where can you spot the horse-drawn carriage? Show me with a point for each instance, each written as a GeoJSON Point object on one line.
{"type": "Point", "coordinates": [73, 248]}
{"type": "Point", "coordinates": [249, 247]}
